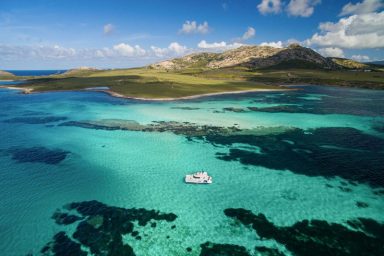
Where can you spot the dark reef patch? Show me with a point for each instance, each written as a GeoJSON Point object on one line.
{"type": "Point", "coordinates": [362, 204]}
{"type": "Point", "coordinates": [180, 128]}
{"type": "Point", "coordinates": [328, 152]}
{"type": "Point", "coordinates": [284, 109]}
{"type": "Point", "coordinates": [65, 218]}
{"type": "Point", "coordinates": [317, 237]}
{"type": "Point", "coordinates": [185, 108]}
{"type": "Point", "coordinates": [101, 228]}
{"type": "Point", "coordinates": [38, 154]}
{"type": "Point", "coordinates": [236, 110]}
{"type": "Point", "coordinates": [379, 192]}
{"type": "Point", "coordinates": [62, 245]}
{"type": "Point", "coordinates": [212, 249]}
{"type": "Point", "coordinates": [345, 189]}
{"type": "Point", "coordinates": [378, 126]}
{"type": "Point", "coordinates": [329, 101]}
{"type": "Point", "coordinates": [266, 251]}
{"type": "Point", "coordinates": [36, 119]}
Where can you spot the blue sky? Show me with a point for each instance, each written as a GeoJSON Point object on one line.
{"type": "Point", "coordinates": [47, 34]}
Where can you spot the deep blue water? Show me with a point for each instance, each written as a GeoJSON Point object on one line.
{"type": "Point", "coordinates": [35, 72]}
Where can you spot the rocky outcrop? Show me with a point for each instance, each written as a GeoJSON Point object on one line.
{"type": "Point", "coordinates": [195, 60]}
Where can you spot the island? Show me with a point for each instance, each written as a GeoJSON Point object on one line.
{"type": "Point", "coordinates": [244, 69]}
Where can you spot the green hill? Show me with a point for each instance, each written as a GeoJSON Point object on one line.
{"type": "Point", "coordinates": [252, 57]}
{"type": "Point", "coordinates": [5, 74]}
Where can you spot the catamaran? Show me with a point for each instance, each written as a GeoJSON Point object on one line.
{"type": "Point", "coordinates": [198, 178]}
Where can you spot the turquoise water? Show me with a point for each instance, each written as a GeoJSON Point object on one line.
{"type": "Point", "coordinates": [45, 165]}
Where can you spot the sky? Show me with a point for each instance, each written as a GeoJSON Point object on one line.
{"type": "Point", "coordinates": [62, 34]}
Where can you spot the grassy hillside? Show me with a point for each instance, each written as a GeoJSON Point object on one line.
{"type": "Point", "coordinates": [6, 75]}
{"type": "Point", "coordinates": [144, 83]}
{"type": "Point", "coordinates": [373, 80]}
{"type": "Point", "coordinates": [150, 83]}
{"type": "Point", "coordinates": [350, 64]}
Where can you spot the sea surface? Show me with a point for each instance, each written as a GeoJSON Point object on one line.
{"type": "Point", "coordinates": [311, 154]}
{"type": "Point", "coordinates": [36, 72]}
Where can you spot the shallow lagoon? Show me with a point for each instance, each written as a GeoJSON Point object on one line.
{"type": "Point", "coordinates": [45, 165]}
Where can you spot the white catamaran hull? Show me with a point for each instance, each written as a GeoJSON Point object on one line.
{"type": "Point", "coordinates": [191, 179]}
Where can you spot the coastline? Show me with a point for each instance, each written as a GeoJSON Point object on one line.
{"type": "Point", "coordinates": [118, 95]}
{"type": "Point", "coordinates": [25, 90]}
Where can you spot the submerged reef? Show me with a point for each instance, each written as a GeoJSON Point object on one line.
{"type": "Point", "coordinates": [317, 237]}
{"type": "Point", "coordinates": [100, 228]}
{"type": "Point", "coordinates": [62, 245]}
{"type": "Point", "coordinates": [327, 151]}
{"type": "Point", "coordinates": [273, 109]}
{"type": "Point", "coordinates": [185, 108]}
{"type": "Point", "coordinates": [38, 154]}
{"type": "Point", "coordinates": [186, 128]}
{"type": "Point", "coordinates": [211, 249]}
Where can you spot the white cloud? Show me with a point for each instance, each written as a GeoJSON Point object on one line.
{"type": "Point", "coordinates": [159, 52]}
{"type": "Point", "coordinates": [354, 32]}
{"type": "Point", "coordinates": [218, 46]}
{"type": "Point", "coordinates": [270, 6]}
{"type": "Point", "coordinates": [39, 52]}
{"type": "Point", "coordinates": [191, 27]}
{"type": "Point", "coordinates": [121, 51]}
{"type": "Point", "coordinates": [360, 58]}
{"type": "Point", "coordinates": [249, 33]}
{"type": "Point", "coordinates": [174, 49]}
{"type": "Point", "coordinates": [303, 8]}
{"type": "Point", "coordinates": [177, 48]}
{"type": "Point", "coordinates": [108, 29]}
{"type": "Point", "coordinates": [126, 50]}
{"type": "Point", "coordinates": [332, 52]}
{"type": "Point", "coordinates": [367, 6]}
{"type": "Point", "coordinates": [278, 44]}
